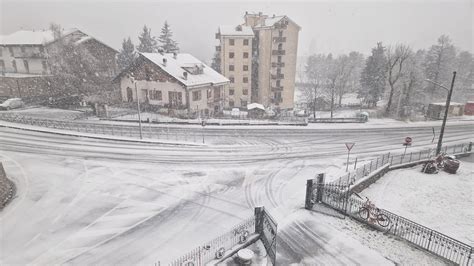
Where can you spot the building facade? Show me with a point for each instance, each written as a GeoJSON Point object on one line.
{"type": "Point", "coordinates": [273, 54]}
{"type": "Point", "coordinates": [26, 61]}
{"type": "Point", "coordinates": [178, 82]}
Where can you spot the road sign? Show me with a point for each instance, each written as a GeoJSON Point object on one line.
{"type": "Point", "coordinates": [349, 145]}
{"type": "Point", "coordinates": [408, 141]}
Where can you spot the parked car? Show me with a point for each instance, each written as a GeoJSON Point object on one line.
{"type": "Point", "coordinates": [11, 103]}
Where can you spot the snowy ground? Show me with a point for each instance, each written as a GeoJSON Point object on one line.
{"type": "Point", "coordinates": [442, 201]}
{"type": "Point", "coordinates": [86, 201]}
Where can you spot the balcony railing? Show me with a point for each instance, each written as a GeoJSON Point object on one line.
{"type": "Point", "coordinates": [275, 88]}
{"type": "Point", "coordinates": [278, 52]}
{"type": "Point", "coordinates": [279, 39]}
{"type": "Point", "coordinates": [31, 55]}
{"type": "Point", "coordinates": [278, 64]}
{"type": "Point", "coordinates": [277, 76]}
{"type": "Point", "coordinates": [277, 100]}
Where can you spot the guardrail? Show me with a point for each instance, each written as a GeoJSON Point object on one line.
{"type": "Point", "coordinates": [338, 120]}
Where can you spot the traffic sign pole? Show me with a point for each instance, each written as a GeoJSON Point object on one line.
{"type": "Point", "coordinates": [349, 146]}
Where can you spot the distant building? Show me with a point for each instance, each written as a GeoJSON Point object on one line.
{"type": "Point", "coordinates": [437, 110]}
{"type": "Point", "coordinates": [179, 82]}
{"type": "Point", "coordinates": [271, 74]}
{"type": "Point", "coordinates": [25, 66]}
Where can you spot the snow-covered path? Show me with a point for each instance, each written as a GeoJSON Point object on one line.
{"type": "Point", "coordinates": [85, 201]}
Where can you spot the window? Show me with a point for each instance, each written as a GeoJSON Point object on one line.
{"type": "Point", "coordinates": [2, 66]}
{"type": "Point", "coordinates": [280, 46]}
{"type": "Point", "coordinates": [279, 59]}
{"type": "Point", "coordinates": [278, 71]}
{"type": "Point", "coordinates": [246, 55]}
{"type": "Point", "coordinates": [45, 66]}
{"type": "Point", "coordinates": [156, 95]}
{"type": "Point", "coordinates": [243, 103]}
{"type": "Point", "coordinates": [14, 66]}
{"type": "Point", "coordinates": [231, 103]}
{"type": "Point", "coordinates": [277, 95]}
{"type": "Point", "coordinates": [231, 42]}
{"type": "Point", "coordinates": [22, 49]}
{"type": "Point", "coordinates": [231, 79]}
{"type": "Point", "coordinates": [278, 83]}
{"type": "Point", "coordinates": [196, 95]}
{"type": "Point", "coordinates": [231, 55]}
{"type": "Point", "coordinates": [245, 92]}
{"type": "Point", "coordinates": [27, 67]}
{"type": "Point", "coordinates": [246, 42]}
{"type": "Point", "coordinates": [11, 51]}
{"type": "Point", "coordinates": [231, 92]}
{"type": "Point", "coordinates": [231, 67]}
{"type": "Point", "coordinates": [209, 93]}
{"type": "Point", "coordinates": [280, 33]}
{"type": "Point", "coordinates": [246, 68]}
{"type": "Point", "coordinates": [245, 80]}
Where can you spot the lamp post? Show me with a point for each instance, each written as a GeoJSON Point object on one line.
{"type": "Point", "coordinates": [448, 101]}
{"type": "Point", "coordinates": [138, 108]}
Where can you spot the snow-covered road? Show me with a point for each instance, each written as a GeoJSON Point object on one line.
{"type": "Point", "coordinates": [87, 201]}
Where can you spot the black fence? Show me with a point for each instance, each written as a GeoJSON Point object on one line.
{"type": "Point", "coordinates": [340, 198]}
{"type": "Point", "coordinates": [259, 227]}
{"type": "Point", "coordinates": [338, 120]}
{"type": "Point", "coordinates": [367, 167]}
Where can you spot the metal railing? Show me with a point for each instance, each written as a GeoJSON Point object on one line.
{"type": "Point", "coordinates": [338, 120]}
{"type": "Point", "coordinates": [396, 159]}
{"type": "Point", "coordinates": [339, 198]}
{"type": "Point", "coordinates": [214, 249]}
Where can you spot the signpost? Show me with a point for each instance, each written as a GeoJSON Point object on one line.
{"type": "Point", "coordinates": [349, 146]}
{"type": "Point", "coordinates": [407, 143]}
{"type": "Point", "coordinates": [203, 124]}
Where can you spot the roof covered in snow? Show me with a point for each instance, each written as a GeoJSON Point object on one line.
{"type": "Point", "coordinates": [198, 74]}
{"type": "Point", "coordinates": [239, 30]}
{"type": "Point", "coordinates": [31, 37]}
{"type": "Point", "coordinates": [255, 106]}
{"type": "Point", "coordinates": [444, 104]}
{"type": "Point", "coordinates": [271, 21]}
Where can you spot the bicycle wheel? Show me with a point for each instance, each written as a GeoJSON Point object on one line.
{"type": "Point", "coordinates": [383, 220]}
{"type": "Point", "coordinates": [364, 213]}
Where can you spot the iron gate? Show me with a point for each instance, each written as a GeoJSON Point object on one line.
{"type": "Point", "coordinates": [267, 227]}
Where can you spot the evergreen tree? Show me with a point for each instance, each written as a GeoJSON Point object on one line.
{"type": "Point", "coordinates": [167, 44]}
{"type": "Point", "coordinates": [148, 43]}
{"type": "Point", "coordinates": [216, 62]}
{"type": "Point", "coordinates": [127, 54]}
{"type": "Point", "coordinates": [373, 76]}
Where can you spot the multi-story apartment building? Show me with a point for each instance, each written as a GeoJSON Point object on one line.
{"type": "Point", "coordinates": [235, 51]}
{"type": "Point", "coordinates": [25, 60]}
{"type": "Point", "coordinates": [273, 54]}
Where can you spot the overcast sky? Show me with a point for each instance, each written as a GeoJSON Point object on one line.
{"type": "Point", "coordinates": [327, 27]}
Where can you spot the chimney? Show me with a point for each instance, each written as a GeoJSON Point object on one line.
{"type": "Point", "coordinates": [175, 55]}
{"type": "Point", "coordinates": [164, 61]}
{"type": "Point", "coordinates": [185, 75]}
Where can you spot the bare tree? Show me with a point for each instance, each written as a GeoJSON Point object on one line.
{"type": "Point", "coordinates": [316, 70]}
{"type": "Point", "coordinates": [396, 58]}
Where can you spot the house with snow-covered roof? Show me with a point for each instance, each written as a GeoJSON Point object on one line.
{"type": "Point", "coordinates": [176, 81]}
{"type": "Point", "coordinates": [25, 59]}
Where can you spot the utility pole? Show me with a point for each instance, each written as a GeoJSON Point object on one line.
{"type": "Point", "coordinates": [138, 108]}
{"type": "Point", "coordinates": [446, 111]}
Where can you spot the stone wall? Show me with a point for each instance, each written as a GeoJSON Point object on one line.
{"type": "Point", "coordinates": [7, 188]}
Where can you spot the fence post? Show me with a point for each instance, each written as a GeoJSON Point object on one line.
{"type": "Point", "coordinates": [377, 163]}
{"type": "Point", "coordinates": [309, 194]}
{"type": "Point", "coordinates": [401, 159]}
{"type": "Point", "coordinates": [411, 153]}
{"type": "Point", "coordinates": [320, 186]}
{"type": "Point", "coordinates": [363, 172]}
{"type": "Point", "coordinates": [370, 169]}
{"type": "Point", "coordinates": [419, 157]}
{"type": "Point", "coordinates": [429, 240]}
{"type": "Point", "coordinates": [391, 160]}
{"type": "Point", "coordinates": [469, 148]}
{"type": "Point", "coordinates": [259, 220]}
{"type": "Point", "coordinates": [355, 164]}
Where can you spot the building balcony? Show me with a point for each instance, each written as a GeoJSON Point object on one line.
{"type": "Point", "coordinates": [278, 52]}
{"type": "Point", "coordinates": [31, 55]}
{"type": "Point", "coordinates": [279, 39]}
{"type": "Point", "coordinates": [277, 76]}
{"type": "Point", "coordinates": [275, 88]}
{"type": "Point", "coordinates": [276, 100]}
{"type": "Point", "coordinates": [278, 64]}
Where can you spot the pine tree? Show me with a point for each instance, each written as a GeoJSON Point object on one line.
{"type": "Point", "coordinates": [373, 76]}
{"type": "Point", "coordinates": [148, 43]}
{"type": "Point", "coordinates": [216, 62]}
{"type": "Point", "coordinates": [127, 54]}
{"type": "Point", "coordinates": [167, 44]}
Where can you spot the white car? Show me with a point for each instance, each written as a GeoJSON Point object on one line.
{"type": "Point", "coordinates": [235, 112]}
{"type": "Point", "coordinates": [11, 103]}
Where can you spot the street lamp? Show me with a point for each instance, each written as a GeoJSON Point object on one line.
{"type": "Point", "coordinates": [448, 101]}
{"type": "Point", "coordinates": [138, 107]}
